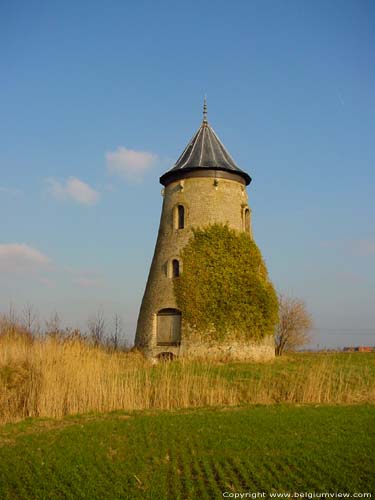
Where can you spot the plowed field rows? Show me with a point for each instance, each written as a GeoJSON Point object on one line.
{"type": "Point", "coordinates": [191, 455]}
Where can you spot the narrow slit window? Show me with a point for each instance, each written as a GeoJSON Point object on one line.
{"type": "Point", "coordinates": [181, 217]}
{"type": "Point", "coordinates": [247, 220]}
{"type": "Point", "coordinates": [175, 268]}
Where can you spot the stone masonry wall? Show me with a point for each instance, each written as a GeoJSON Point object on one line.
{"type": "Point", "coordinates": [206, 201]}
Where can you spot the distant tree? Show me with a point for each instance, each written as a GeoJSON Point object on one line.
{"type": "Point", "coordinates": [9, 322]}
{"type": "Point", "coordinates": [114, 341]}
{"type": "Point", "coordinates": [293, 329]}
{"type": "Point", "coordinates": [10, 326]}
{"type": "Point", "coordinates": [73, 334]}
{"type": "Point", "coordinates": [12, 316]}
{"type": "Point", "coordinates": [96, 326]}
{"type": "Point", "coordinates": [30, 319]}
{"type": "Point", "coordinates": [53, 326]}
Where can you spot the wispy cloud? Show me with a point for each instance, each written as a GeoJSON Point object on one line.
{"type": "Point", "coordinates": [73, 189]}
{"type": "Point", "coordinates": [359, 248]}
{"type": "Point", "coordinates": [10, 191]}
{"type": "Point", "coordinates": [87, 282]}
{"type": "Point", "coordinates": [349, 276]}
{"type": "Point", "coordinates": [21, 257]}
{"type": "Point", "coordinates": [47, 282]}
{"type": "Point", "coordinates": [129, 164]}
{"type": "Point", "coordinates": [84, 278]}
{"type": "Point", "coordinates": [364, 248]}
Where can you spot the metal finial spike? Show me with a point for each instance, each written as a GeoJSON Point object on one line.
{"type": "Point", "coordinates": [205, 110]}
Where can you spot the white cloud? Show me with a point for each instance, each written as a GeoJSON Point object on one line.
{"type": "Point", "coordinates": [21, 257]}
{"type": "Point", "coordinates": [129, 164]}
{"type": "Point", "coordinates": [73, 189]}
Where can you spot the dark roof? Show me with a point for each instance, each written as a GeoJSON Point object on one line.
{"type": "Point", "coordinates": [205, 151]}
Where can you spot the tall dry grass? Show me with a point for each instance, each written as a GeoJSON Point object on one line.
{"type": "Point", "coordinates": [323, 381]}
{"type": "Point", "coordinates": [50, 378]}
{"type": "Point", "coordinates": [53, 377]}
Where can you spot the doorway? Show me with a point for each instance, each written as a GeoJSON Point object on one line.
{"type": "Point", "coordinates": [168, 327]}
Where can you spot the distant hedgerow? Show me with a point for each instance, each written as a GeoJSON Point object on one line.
{"type": "Point", "coordinates": [224, 289]}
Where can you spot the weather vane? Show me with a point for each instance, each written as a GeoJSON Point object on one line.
{"type": "Point", "coordinates": [205, 110]}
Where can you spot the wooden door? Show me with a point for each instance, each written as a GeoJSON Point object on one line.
{"type": "Point", "coordinates": [169, 327]}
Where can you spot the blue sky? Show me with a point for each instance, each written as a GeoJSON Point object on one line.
{"type": "Point", "coordinates": [97, 99]}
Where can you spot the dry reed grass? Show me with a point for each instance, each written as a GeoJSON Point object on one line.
{"type": "Point", "coordinates": [52, 377]}
{"type": "Point", "coordinates": [324, 381]}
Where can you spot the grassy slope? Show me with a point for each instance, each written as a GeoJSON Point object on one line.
{"type": "Point", "coordinates": [196, 454]}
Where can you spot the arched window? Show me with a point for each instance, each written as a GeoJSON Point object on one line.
{"type": "Point", "coordinates": [181, 217]}
{"type": "Point", "coordinates": [175, 268]}
{"type": "Point", "coordinates": [247, 220]}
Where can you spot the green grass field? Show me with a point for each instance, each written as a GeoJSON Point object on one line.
{"type": "Point", "coordinates": [190, 454]}
{"type": "Point", "coordinates": [286, 366]}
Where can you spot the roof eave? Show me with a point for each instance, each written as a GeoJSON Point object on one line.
{"type": "Point", "coordinates": [218, 172]}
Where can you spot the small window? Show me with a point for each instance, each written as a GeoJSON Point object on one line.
{"type": "Point", "coordinates": [175, 268]}
{"type": "Point", "coordinates": [181, 217]}
{"type": "Point", "coordinates": [247, 220]}
{"type": "Point", "coordinates": [178, 216]}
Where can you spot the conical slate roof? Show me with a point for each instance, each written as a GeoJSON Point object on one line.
{"type": "Point", "coordinates": [205, 151]}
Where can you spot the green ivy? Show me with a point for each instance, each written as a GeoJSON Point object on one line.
{"type": "Point", "coordinates": [224, 288]}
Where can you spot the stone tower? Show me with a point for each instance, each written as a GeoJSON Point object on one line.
{"type": "Point", "coordinates": [205, 186]}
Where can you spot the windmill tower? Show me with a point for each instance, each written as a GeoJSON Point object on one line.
{"type": "Point", "coordinates": [205, 186]}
